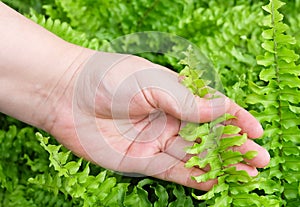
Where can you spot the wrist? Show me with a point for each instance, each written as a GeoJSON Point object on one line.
{"type": "Point", "coordinates": [35, 66]}
{"type": "Point", "coordinates": [54, 92]}
{"type": "Point", "coordinates": [34, 94]}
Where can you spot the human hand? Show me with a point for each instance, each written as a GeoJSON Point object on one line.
{"type": "Point", "coordinates": [125, 115]}
{"type": "Point", "coordinates": [121, 112]}
{"type": "Point", "coordinates": [118, 111]}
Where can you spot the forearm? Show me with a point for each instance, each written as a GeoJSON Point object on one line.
{"type": "Point", "coordinates": [35, 67]}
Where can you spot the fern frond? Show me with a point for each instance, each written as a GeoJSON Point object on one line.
{"type": "Point", "coordinates": [280, 100]}
{"type": "Point", "coordinates": [216, 148]}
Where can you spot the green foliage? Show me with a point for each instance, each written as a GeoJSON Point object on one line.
{"type": "Point", "coordinates": [215, 151]}
{"type": "Point", "coordinates": [65, 31]}
{"type": "Point", "coordinates": [31, 177]}
{"type": "Point", "coordinates": [279, 112]}
{"type": "Point", "coordinates": [192, 77]}
{"type": "Point", "coordinates": [74, 178]}
{"type": "Point", "coordinates": [120, 17]}
{"type": "Point", "coordinates": [21, 156]}
{"type": "Point", "coordinates": [23, 6]}
{"type": "Point", "coordinates": [39, 172]}
{"type": "Point", "coordinates": [72, 181]}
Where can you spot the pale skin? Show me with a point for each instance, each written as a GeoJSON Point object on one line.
{"type": "Point", "coordinates": [39, 85]}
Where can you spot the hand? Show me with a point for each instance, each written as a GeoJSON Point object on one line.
{"type": "Point", "coordinates": [125, 115]}
{"type": "Point", "coordinates": [121, 112]}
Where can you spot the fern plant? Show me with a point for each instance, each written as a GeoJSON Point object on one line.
{"type": "Point", "coordinates": [73, 178]}
{"type": "Point", "coordinates": [276, 97]}
{"type": "Point", "coordinates": [65, 31]}
{"type": "Point", "coordinates": [226, 31]}
{"type": "Point", "coordinates": [21, 157]}
{"type": "Point", "coordinates": [235, 187]}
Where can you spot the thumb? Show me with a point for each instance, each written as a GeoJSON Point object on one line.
{"type": "Point", "coordinates": [167, 94]}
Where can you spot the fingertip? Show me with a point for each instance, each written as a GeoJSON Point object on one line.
{"type": "Point", "coordinates": [252, 171]}
{"type": "Point", "coordinates": [264, 158]}
{"type": "Point", "coordinates": [257, 132]}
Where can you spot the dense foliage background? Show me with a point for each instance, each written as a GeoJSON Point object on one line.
{"type": "Point", "coordinates": [36, 171]}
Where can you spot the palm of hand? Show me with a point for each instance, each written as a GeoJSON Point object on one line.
{"type": "Point", "coordinates": [131, 131]}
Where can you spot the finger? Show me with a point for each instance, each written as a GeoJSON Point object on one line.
{"type": "Point", "coordinates": [187, 107]}
{"type": "Point", "coordinates": [173, 98]}
{"type": "Point", "coordinates": [263, 157]}
{"type": "Point", "coordinates": [245, 121]}
{"type": "Point", "coordinates": [167, 94]}
{"type": "Point", "coordinates": [182, 175]}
